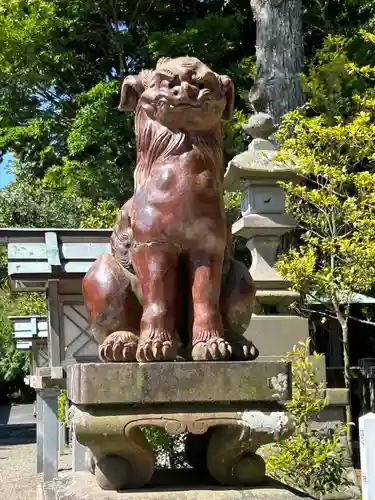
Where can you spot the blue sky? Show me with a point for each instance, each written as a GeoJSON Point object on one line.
{"type": "Point", "coordinates": [5, 176]}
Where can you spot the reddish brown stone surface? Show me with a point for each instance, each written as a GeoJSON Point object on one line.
{"type": "Point", "coordinates": [188, 296]}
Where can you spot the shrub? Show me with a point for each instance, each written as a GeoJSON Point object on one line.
{"type": "Point", "coordinates": [61, 408]}
{"type": "Point", "coordinates": [312, 459]}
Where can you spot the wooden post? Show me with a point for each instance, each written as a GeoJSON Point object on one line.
{"type": "Point", "coordinates": [367, 447]}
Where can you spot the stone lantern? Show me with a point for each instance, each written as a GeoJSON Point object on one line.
{"type": "Point", "coordinates": [263, 224]}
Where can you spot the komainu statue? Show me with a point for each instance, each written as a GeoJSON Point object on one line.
{"type": "Point", "coordinates": [187, 298]}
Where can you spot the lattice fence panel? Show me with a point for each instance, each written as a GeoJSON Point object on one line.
{"type": "Point", "coordinates": [42, 356]}
{"type": "Point", "coordinates": [79, 342]}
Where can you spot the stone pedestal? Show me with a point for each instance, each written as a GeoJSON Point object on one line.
{"type": "Point", "coordinates": [227, 410]}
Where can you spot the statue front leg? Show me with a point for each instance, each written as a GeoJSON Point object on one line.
{"type": "Point", "coordinates": [155, 264]}
{"type": "Point", "coordinates": [208, 341]}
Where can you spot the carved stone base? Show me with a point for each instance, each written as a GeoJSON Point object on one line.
{"type": "Point", "coordinates": [221, 443]}
{"type": "Point", "coordinates": [224, 424]}
{"type": "Point", "coordinates": [120, 457]}
{"type": "Point", "coordinates": [223, 454]}
{"type": "Point", "coordinates": [227, 453]}
{"type": "Point", "coordinates": [231, 458]}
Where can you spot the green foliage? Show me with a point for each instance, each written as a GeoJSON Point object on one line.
{"type": "Point", "coordinates": [14, 364]}
{"type": "Point", "coordinates": [100, 148]}
{"type": "Point", "coordinates": [332, 150]}
{"type": "Point", "coordinates": [234, 138]}
{"type": "Point", "coordinates": [232, 202]}
{"type": "Point", "coordinates": [167, 448]}
{"type": "Point", "coordinates": [31, 304]}
{"type": "Point", "coordinates": [62, 402]}
{"type": "Point", "coordinates": [61, 66]}
{"type": "Point", "coordinates": [312, 459]}
{"type": "Point", "coordinates": [103, 215]}
{"type": "Point", "coordinates": [26, 203]}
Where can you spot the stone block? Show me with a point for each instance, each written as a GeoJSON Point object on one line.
{"type": "Point", "coordinates": [179, 382]}
{"type": "Point", "coordinates": [319, 365]}
{"type": "Point", "coordinates": [276, 335]}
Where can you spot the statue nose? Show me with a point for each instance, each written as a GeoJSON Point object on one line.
{"type": "Point", "coordinates": [187, 90]}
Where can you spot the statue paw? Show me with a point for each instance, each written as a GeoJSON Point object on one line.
{"type": "Point", "coordinates": [119, 346]}
{"type": "Point", "coordinates": [243, 350]}
{"type": "Point", "coordinates": [210, 346]}
{"type": "Point", "coordinates": [156, 346]}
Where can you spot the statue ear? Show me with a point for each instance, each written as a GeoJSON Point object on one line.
{"type": "Point", "coordinates": [131, 89]}
{"type": "Point", "coordinates": [228, 88]}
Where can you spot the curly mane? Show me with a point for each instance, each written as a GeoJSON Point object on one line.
{"type": "Point", "coordinates": [122, 237]}
{"type": "Point", "coordinates": [159, 143]}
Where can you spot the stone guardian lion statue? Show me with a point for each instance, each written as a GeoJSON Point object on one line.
{"type": "Point", "coordinates": [188, 298]}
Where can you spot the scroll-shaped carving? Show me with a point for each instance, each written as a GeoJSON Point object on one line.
{"type": "Point", "coordinates": [223, 443]}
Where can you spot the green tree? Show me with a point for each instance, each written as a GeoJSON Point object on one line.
{"type": "Point", "coordinates": [14, 363]}
{"type": "Point", "coordinates": [30, 204]}
{"type": "Point", "coordinates": [332, 149]}
{"type": "Point", "coordinates": [61, 65]}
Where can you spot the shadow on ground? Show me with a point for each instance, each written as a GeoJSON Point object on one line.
{"type": "Point", "coordinates": [169, 485]}
{"type": "Point", "coordinates": [188, 478]}
{"type": "Point", "coordinates": [13, 434]}
{"type": "Point", "coordinates": [5, 413]}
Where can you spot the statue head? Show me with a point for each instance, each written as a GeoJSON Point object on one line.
{"type": "Point", "coordinates": [181, 94]}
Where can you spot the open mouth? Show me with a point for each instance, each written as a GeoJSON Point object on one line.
{"type": "Point", "coordinates": [182, 104]}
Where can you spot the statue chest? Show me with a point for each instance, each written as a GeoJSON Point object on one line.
{"type": "Point", "coordinates": [181, 199]}
{"type": "Point", "coordinates": [190, 175]}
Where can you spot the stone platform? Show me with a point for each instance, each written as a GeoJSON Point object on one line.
{"type": "Point", "coordinates": [165, 485]}
{"type": "Point", "coordinates": [226, 410]}
{"type": "Point", "coordinates": [178, 382]}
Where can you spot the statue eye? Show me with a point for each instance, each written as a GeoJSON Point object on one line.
{"type": "Point", "coordinates": [174, 82]}
{"type": "Point", "coordinates": [201, 86]}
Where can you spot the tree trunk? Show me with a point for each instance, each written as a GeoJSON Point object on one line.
{"type": "Point", "coordinates": [343, 319]}
{"type": "Point", "coordinates": [277, 86]}
{"type": "Point", "coordinates": [348, 408]}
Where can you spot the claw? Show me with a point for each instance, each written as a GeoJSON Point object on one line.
{"type": "Point", "coordinates": [225, 350]}
{"type": "Point", "coordinates": [117, 351]}
{"type": "Point", "coordinates": [167, 350]}
{"type": "Point", "coordinates": [216, 349]}
{"type": "Point", "coordinates": [119, 346]}
{"type": "Point", "coordinates": [108, 352]}
{"type": "Point", "coordinates": [243, 349]}
{"type": "Point", "coordinates": [156, 350]}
